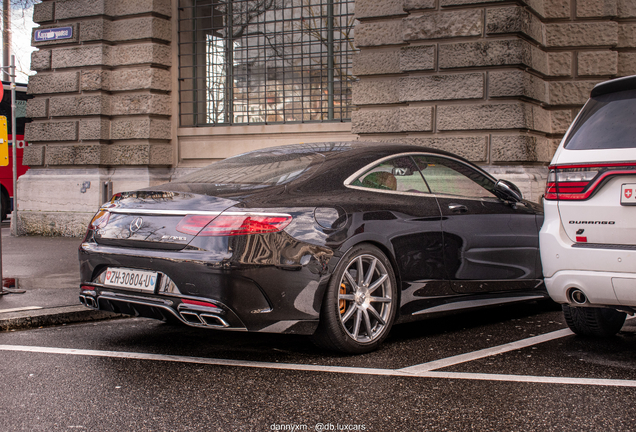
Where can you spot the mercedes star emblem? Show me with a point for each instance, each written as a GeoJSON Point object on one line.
{"type": "Point", "coordinates": [136, 224]}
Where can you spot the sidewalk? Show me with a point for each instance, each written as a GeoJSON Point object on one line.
{"type": "Point", "coordinates": [47, 269]}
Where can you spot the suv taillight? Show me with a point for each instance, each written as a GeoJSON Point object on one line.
{"type": "Point", "coordinates": [579, 182]}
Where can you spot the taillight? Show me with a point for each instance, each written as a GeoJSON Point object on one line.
{"type": "Point", "coordinates": [99, 220]}
{"type": "Point", "coordinates": [579, 182]}
{"type": "Point", "coordinates": [233, 224]}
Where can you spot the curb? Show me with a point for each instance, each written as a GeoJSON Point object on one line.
{"type": "Point", "coordinates": [52, 316]}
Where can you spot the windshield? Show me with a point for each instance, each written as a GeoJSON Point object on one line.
{"type": "Point", "coordinates": [261, 168]}
{"type": "Point", "coordinates": [607, 122]}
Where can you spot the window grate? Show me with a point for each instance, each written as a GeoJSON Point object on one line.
{"type": "Point", "coordinates": [265, 61]}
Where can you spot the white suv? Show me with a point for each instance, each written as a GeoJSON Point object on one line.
{"type": "Point", "coordinates": [588, 238]}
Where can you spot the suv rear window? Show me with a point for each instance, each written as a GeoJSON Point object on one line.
{"type": "Point", "coordinates": [607, 122]}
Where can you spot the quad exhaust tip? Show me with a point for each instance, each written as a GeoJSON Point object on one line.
{"type": "Point", "coordinates": [578, 297]}
{"type": "Point", "coordinates": [88, 301]}
{"type": "Point", "coordinates": [203, 319]}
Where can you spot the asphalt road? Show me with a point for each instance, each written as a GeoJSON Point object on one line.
{"type": "Point", "coordinates": [505, 369]}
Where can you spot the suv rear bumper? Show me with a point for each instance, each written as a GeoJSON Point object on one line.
{"type": "Point", "coordinates": [605, 274]}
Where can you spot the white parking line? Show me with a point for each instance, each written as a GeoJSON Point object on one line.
{"type": "Point", "coordinates": [487, 352]}
{"type": "Point", "coordinates": [329, 369]}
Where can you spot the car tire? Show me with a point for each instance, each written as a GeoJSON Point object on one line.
{"type": "Point", "coordinates": [591, 321]}
{"type": "Point", "coordinates": [360, 302]}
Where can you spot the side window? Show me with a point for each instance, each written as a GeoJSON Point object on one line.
{"type": "Point", "coordinates": [450, 177]}
{"type": "Point", "coordinates": [400, 174]}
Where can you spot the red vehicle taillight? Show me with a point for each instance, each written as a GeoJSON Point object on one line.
{"type": "Point", "coordinates": [579, 182]}
{"type": "Point", "coordinates": [232, 224]}
{"type": "Point", "coordinates": [99, 220]}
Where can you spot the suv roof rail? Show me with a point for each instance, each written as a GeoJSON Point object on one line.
{"type": "Point", "coordinates": [615, 85]}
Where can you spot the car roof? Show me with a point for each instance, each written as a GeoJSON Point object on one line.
{"type": "Point", "coordinates": [615, 85]}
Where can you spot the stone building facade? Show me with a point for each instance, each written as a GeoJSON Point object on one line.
{"type": "Point", "coordinates": [497, 82]}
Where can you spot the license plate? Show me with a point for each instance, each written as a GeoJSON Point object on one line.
{"type": "Point", "coordinates": [628, 194]}
{"type": "Point", "coordinates": [129, 278]}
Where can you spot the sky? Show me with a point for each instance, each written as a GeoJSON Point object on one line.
{"type": "Point", "coordinates": [21, 26]}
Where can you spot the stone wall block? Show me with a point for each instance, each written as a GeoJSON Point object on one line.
{"type": "Point", "coordinates": [43, 12]}
{"type": "Point", "coordinates": [59, 82]}
{"type": "Point", "coordinates": [378, 33]}
{"type": "Point", "coordinates": [73, 39]}
{"type": "Point", "coordinates": [560, 63]}
{"type": "Point", "coordinates": [492, 53]}
{"type": "Point", "coordinates": [514, 19]}
{"type": "Point", "coordinates": [471, 148]}
{"type": "Point", "coordinates": [41, 60]}
{"type": "Point", "coordinates": [626, 8]}
{"type": "Point", "coordinates": [375, 62]}
{"type": "Point", "coordinates": [516, 83]}
{"type": "Point", "coordinates": [626, 63]}
{"type": "Point", "coordinates": [375, 91]}
{"type": "Point", "coordinates": [87, 55]}
{"type": "Point", "coordinates": [417, 57]}
{"type": "Point", "coordinates": [597, 63]}
{"type": "Point", "coordinates": [595, 8]}
{"type": "Point", "coordinates": [143, 53]}
{"type": "Point", "coordinates": [561, 120]}
{"type": "Point", "coordinates": [125, 154]}
{"type": "Point", "coordinates": [436, 25]}
{"type": "Point", "coordinates": [482, 117]}
{"type": "Point", "coordinates": [72, 154]}
{"type": "Point", "coordinates": [570, 92]}
{"type": "Point", "coordinates": [51, 131]}
{"type": "Point", "coordinates": [161, 154]}
{"type": "Point", "coordinates": [138, 28]}
{"type": "Point", "coordinates": [375, 121]}
{"type": "Point", "coordinates": [627, 35]}
{"type": "Point", "coordinates": [82, 105]}
{"type": "Point", "coordinates": [557, 8]}
{"type": "Point", "coordinates": [442, 87]}
{"type": "Point", "coordinates": [541, 120]}
{"type": "Point", "coordinates": [37, 108]}
{"type": "Point", "coordinates": [137, 79]}
{"type": "Point", "coordinates": [445, 3]}
{"type": "Point", "coordinates": [65, 9]}
{"type": "Point", "coordinates": [140, 128]}
{"type": "Point", "coordinates": [415, 119]}
{"type": "Point", "coordinates": [33, 155]}
{"type": "Point", "coordinates": [116, 8]}
{"type": "Point", "coordinates": [519, 148]}
{"type": "Point", "coordinates": [92, 30]}
{"type": "Point", "coordinates": [378, 8]}
{"type": "Point", "coordinates": [94, 129]}
{"type": "Point", "coordinates": [410, 5]}
{"type": "Point", "coordinates": [92, 80]}
{"type": "Point", "coordinates": [582, 34]}
{"type": "Point", "coordinates": [140, 103]}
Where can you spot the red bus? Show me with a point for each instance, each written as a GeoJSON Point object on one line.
{"type": "Point", "coordinates": [6, 172]}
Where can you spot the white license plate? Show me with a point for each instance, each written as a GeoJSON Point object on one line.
{"type": "Point", "coordinates": [129, 278]}
{"type": "Point", "coordinates": [628, 194]}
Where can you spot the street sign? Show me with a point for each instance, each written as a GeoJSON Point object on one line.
{"type": "Point", "coordinates": [4, 142]}
{"type": "Point", "coordinates": [53, 34]}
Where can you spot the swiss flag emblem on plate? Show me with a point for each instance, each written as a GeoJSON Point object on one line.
{"type": "Point", "coordinates": [628, 194]}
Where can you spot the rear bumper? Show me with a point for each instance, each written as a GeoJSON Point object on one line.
{"type": "Point", "coordinates": [248, 296]}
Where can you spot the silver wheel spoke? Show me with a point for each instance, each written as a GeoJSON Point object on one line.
{"type": "Point", "coordinates": [349, 297]}
{"type": "Point", "coordinates": [377, 283]}
{"type": "Point", "coordinates": [347, 316]}
{"type": "Point", "coordinates": [370, 272]}
{"type": "Point", "coordinates": [351, 280]}
{"type": "Point", "coordinates": [380, 300]}
{"type": "Point", "coordinates": [376, 315]}
{"type": "Point", "coordinates": [367, 323]}
{"type": "Point", "coordinates": [360, 270]}
{"type": "Point", "coordinates": [356, 325]}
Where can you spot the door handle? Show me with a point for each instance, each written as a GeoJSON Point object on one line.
{"type": "Point", "coordinates": [457, 208]}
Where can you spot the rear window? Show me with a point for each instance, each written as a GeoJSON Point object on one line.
{"type": "Point", "coordinates": [258, 169]}
{"type": "Point", "coordinates": [607, 122]}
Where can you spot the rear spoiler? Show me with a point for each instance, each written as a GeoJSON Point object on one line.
{"type": "Point", "coordinates": [615, 85]}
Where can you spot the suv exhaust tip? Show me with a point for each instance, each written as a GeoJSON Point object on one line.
{"type": "Point", "coordinates": [578, 297]}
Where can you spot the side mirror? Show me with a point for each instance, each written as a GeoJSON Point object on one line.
{"type": "Point", "coordinates": [508, 191]}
